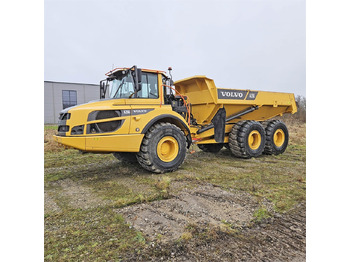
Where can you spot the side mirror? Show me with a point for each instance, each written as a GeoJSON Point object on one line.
{"type": "Point", "coordinates": [103, 89]}
{"type": "Point", "coordinates": [137, 75]}
{"type": "Point", "coordinates": [139, 79]}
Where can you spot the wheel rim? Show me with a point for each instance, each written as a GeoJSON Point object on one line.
{"type": "Point", "coordinates": [167, 149]}
{"type": "Point", "coordinates": [254, 140]}
{"type": "Point", "coordinates": [278, 137]}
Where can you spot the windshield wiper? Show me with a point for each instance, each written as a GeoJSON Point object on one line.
{"type": "Point", "coordinates": [119, 87]}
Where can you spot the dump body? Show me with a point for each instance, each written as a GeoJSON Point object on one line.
{"type": "Point", "coordinates": [206, 99]}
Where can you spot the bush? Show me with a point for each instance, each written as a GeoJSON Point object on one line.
{"type": "Point", "coordinates": [300, 115]}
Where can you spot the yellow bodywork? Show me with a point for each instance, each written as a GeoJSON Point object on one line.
{"type": "Point", "coordinates": [129, 136]}
{"type": "Point", "coordinates": [201, 93]}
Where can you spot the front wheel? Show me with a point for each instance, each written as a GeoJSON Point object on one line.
{"type": "Point", "coordinates": [163, 148]}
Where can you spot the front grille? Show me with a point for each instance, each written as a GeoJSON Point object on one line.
{"type": "Point", "coordinates": [103, 127]}
{"type": "Point", "coordinates": [107, 114]}
{"type": "Point", "coordinates": [77, 130]}
{"type": "Point", "coordinates": [109, 126]}
{"type": "Point", "coordinates": [103, 114]}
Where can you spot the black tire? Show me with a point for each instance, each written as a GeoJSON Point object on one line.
{"type": "Point", "coordinates": [277, 137]}
{"type": "Point", "coordinates": [247, 139]}
{"type": "Point", "coordinates": [150, 156]}
{"type": "Point", "coordinates": [212, 148]}
{"type": "Point", "coordinates": [126, 157]}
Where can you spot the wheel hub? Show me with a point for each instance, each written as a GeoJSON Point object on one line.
{"type": "Point", "coordinates": [167, 149]}
{"type": "Point", "coordinates": [254, 139]}
{"type": "Point", "coordinates": [278, 137]}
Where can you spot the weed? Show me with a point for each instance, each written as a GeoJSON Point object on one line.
{"type": "Point", "coordinates": [228, 228]}
{"type": "Point", "coordinates": [261, 213]}
{"type": "Point", "coordinates": [163, 183]}
{"type": "Point", "coordinates": [139, 238]}
{"type": "Point", "coordinates": [186, 236]}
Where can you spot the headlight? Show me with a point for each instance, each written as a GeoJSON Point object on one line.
{"type": "Point", "coordinates": [63, 129]}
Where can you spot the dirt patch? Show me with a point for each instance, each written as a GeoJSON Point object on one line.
{"type": "Point", "coordinates": [203, 205]}
{"type": "Point", "coordinates": [50, 145]}
{"type": "Point", "coordinates": [50, 204]}
{"type": "Point", "coordinates": [79, 196]}
{"type": "Point", "coordinates": [279, 238]}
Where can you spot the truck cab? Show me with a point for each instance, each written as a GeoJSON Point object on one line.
{"type": "Point", "coordinates": [118, 123]}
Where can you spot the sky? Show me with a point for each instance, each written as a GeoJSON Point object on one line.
{"type": "Point", "coordinates": [242, 44]}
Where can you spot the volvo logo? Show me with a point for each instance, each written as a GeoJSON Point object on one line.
{"type": "Point", "coordinates": [231, 94]}
{"type": "Point", "coordinates": [128, 112]}
{"type": "Point", "coordinates": [236, 94]}
{"type": "Point", "coordinates": [139, 111]}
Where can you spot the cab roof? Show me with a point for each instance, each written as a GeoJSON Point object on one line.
{"type": "Point", "coordinates": [109, 73]}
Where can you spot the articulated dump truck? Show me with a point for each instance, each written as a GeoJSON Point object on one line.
{"type": "Point", "coordinates": [152, 120]}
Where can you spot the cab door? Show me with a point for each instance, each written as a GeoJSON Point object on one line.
{"type": "Point", "coordinates": [146, 101]}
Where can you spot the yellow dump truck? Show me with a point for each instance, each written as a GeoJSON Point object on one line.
{"type": "Point", "coordinates": [149, 119]}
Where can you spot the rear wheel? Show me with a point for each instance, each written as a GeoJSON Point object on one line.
{"type": "Point", "coordinates": [247, 139]}
{"type": "Point", "coordinates": [212, 148]}
{"type": "Point", "coordinates": [163, 148]}
{"type": "Point", "coordinates": [277, 137]}
{"type": "Point", "coordinates": [126, 157]}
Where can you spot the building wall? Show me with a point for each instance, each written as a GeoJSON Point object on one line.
{"type": "Point", "coordinates": [53, 103]}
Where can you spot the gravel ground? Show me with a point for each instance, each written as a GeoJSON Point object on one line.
{"type": "Point", "coordinates": [278, 238]}
{"type": "Point", "coordinates": [205, 223]}
{"type": "Point", "coordinates": [203, 205]}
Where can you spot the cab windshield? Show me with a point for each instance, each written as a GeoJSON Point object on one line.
{"type": "Point", "coordinates": [123, 86]}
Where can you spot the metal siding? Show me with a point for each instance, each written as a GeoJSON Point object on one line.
{"type": "Point", "coordinates": [48, 105]}
{"type": "Point", "coordinates": [91, 93]}
{"type": "Point", "coordinates": [53, 97]}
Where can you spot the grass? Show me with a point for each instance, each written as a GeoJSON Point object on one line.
{"type": "Point", "coordinates": [50, 127]}
{"type": "Point", "coordinates": [261, 213]}
{"type": "Point", "coordinates": [280, 179]}
{"type": "Point", "coordinates": [95, 235]}
{"type": "Point", "coordinates": [99, 233]}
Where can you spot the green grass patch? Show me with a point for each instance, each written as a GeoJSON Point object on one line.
{"type": "Point", "coordinates": [99, 234]}
{"type": "Point", "coordinates": [261, 213]}
{"type": "Point", "coordinates": [50, 127]}
{"type": "Point", "coordinates": [281, 178]}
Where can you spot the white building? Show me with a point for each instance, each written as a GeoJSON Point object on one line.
{"type": "Point", "coordinates": [60, 95]}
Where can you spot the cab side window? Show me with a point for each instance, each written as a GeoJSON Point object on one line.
{"type": "Point", "coordinates": [149, 86]}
